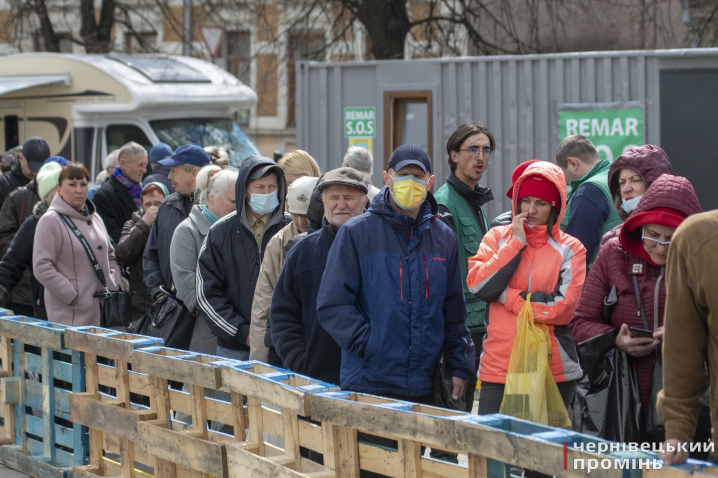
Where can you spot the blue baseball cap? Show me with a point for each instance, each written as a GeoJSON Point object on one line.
{"type": "Point", "coordinates": [187, 154]}
{"type": "Point", "coordinates": [409, 154]}
{"type": "Point", "coordinates": [57, 159]}
{"type": "Point", "coordinates": [159, 152]}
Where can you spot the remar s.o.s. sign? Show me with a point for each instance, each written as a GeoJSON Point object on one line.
{"type": "Point", "coordinates": [359, 122]}
{"type": "Point", "coordinates": [612, 127]}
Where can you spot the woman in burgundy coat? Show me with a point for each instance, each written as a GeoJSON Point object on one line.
{"type": "Point", "coordinates": [630, 175]}
{"type": "Point", "coordinates": [640, 251]}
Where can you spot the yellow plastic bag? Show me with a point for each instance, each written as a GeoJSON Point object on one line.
{"type": "Point", "coordinates": [531, 392]}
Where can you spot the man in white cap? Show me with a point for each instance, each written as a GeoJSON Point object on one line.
{"type": "Point", "coordinates": [260, 339]}
{"type": "Point", "coordinates": [302, 343]}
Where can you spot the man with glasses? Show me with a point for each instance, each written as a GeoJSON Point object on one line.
{"type": "Point", "coordinates": [589, 211]}
{"type": "Point", "coordinates": [460, 201]}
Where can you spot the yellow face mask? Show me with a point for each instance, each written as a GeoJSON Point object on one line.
{"type": "Point", "coordinates": [409, 192]}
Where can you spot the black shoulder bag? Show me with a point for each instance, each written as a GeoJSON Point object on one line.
{"type": "Point", "coordinates": [654, 427]}
{"type": "Point", "coordinates": [169, 320]}
{"type": "Point", "coordinates": [115, 310]}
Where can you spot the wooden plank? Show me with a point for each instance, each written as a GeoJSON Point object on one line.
{"type": "Point", "coordinates": [177, 365]}
{"type": "Point", "coordinates": [311, 436]}
{"type": "Point", "coordinates": [440, 469]}
{"type": "Point", "coordinates": [12, 457]}
{"type": "Point", "coordinates": [36, 332]}
{"type": "Point", "coordinates": [113, 419]}
{"type": "Point", "coordinates": [270, 391]}
{"type": "Point", "coordinates": [161, 405]}
{"type": "Point", "coordinates": [256, 423]}
{"type": "Point", "coordinates": [10, 390]}
{"type": "Point", "coordinates": [94, 436]}
{"type": "Point", "coordinates": [106, 342]}
{"type": "Point", "coordinates": [183, 449]}
{"type": "Point", "coordinates": [34, 395]}
{"type": "Point", "coordinates": [7, 410]}
{"type": "Point", "coordinates": [346, 451]}
{"type": "Point", "coordinates": [477, 466]}
{"type": "Point", "coordinates": [62, 370]}
{"type": "Point", "coordinates": [379, 460]}
{"type": "Point", "coordinates": [398, 422]}
{"type": "Point", "coordinates": [410, 458]}
{"type": "Point", "coordinates": [48, 405]}
{"type": "Point", "coordinates": [242, 463]}
{"type": "Point", "coordinates": [291, 439]}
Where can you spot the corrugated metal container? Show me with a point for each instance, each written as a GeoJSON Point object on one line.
{"type": "Point", "coordinates": [517, 97]}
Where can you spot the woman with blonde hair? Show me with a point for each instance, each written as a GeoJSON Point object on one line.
{"type": "Point", "coordinates": [297, 164]}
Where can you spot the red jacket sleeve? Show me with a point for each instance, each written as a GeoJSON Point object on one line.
{"type": "Point", "coordinates": [588, 320]}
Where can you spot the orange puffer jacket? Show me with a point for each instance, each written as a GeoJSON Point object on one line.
{"type": "Point", "coordinates": [552, 269]}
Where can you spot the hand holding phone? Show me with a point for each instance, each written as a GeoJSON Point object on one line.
{"type": "Point", "coordinates": [636, 332]}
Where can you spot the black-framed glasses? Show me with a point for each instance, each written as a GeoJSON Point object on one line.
{"type": "Point", "coordinates": [487, 152]}
{"type": "Point", "coordinates": [648, 242]}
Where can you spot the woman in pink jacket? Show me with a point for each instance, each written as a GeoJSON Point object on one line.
{"type": "Point", "coordinates": [59, 260]}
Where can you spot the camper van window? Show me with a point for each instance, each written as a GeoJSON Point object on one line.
{"type": "Point", "coordinates": [222, 132]}
{"type": "Point", "coordinates": [120, 134]}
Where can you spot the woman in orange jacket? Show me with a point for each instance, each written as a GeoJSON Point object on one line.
{"type": "Point", "coordinates": [531, 255]}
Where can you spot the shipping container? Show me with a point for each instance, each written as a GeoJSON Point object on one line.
{"type": "Point", "coordinates": [530, 102]}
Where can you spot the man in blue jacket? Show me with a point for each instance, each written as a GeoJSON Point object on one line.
{"type": "Point", "coordinates": [232, 253]}
{"type": "Point", "coordinates": [391, 295]}
{"type": "Point", "coordinates": [301, 342]}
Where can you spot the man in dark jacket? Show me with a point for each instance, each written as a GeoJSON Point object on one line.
{"type": "Point", "coordinates": [391, 295]}
{"type": "Point", "coordinates": [160, 173]}
{"type": "Point", "coordinates": [34, 153]}
{"type": "Point", "coordinates": [185, 163]}
{"type": "Point", "coordinates": [121, 195]}
{"type": "Point", "coordinates": [301, 342]}
{"type": "Point", "coordinates": [232, 253]}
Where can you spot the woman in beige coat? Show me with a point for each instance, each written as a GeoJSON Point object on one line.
{"type": "Point", "coordinates": [60, 262]}
{"type": "Point", "coordinates": [298, 194]}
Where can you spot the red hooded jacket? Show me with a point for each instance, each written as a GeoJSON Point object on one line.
{"type": "Point", "coordinates": [614, 266]}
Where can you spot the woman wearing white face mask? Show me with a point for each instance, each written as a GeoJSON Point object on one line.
{"type": "Point", "coordinates": [630, 176]}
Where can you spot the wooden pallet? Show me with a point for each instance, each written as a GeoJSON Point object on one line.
{"type": "Point", "coordinates": [45, 374]}
{"type": "Point", "coordinates": [106, 408]}
{"type": "Point", "coordinates": [292, 393]}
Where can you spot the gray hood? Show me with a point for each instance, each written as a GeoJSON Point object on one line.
{"type": "Point", "coordinates": [245, 171]}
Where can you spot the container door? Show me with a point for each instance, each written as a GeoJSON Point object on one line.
{"type": "Point", "coordinates": [407, 120]}
{"type": "Point", "coordinates": [13, 127]}
{"type": "Point", "coordinates": [689, 114]}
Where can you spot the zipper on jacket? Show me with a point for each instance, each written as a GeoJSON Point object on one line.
{"type": "Point", "coordinates": [655, 298]}
{"type": "Point", "coordinates": [426, 267]}
{"type": "Point", "coordinates": [401, 281]}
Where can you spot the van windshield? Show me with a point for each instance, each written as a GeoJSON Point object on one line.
{"type": "Point", "coordinates": [222, 132]}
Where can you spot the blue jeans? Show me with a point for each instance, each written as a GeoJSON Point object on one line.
{"type": "Point", "coordinates": [232, 354]}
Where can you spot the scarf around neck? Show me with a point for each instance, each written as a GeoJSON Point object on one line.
{"type": "Point", "coordinates": [211, 217]}
{"type": "Point", "coordinates": [134, 189]}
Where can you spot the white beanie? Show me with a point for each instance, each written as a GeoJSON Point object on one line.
{"type": "Point", "coordinates": [298, 194]}
{"type": "Point", "coordinates": [47, 178]}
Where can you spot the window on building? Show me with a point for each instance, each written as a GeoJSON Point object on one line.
{"type": "Point", "coordinates": [64, 39]}
{"type": "Point", "coordinates": [140, 42]}
{"type": "Point", "coordinates": [301, 47]}
{"type": "Point", "coordinates": [237, 52]}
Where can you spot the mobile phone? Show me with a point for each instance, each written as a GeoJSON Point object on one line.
{"type": "Point", "coordinates": [639, 332]}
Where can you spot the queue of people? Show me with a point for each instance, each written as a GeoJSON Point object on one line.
{"type": "Point", "coordinates": [378, 290]}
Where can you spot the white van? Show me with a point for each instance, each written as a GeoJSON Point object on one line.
{"type": "Point", "coordinates": [87, 105]}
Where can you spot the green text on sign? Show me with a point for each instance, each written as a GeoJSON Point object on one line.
{"type": "Point", "coordinates": [611, 131]}
{"type": "Point", "coordinates": [359, 122]}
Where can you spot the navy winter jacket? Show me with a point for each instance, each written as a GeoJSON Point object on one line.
{"type": "Point", "coordinates": [392, 297]}
{"type": "Point", "coordinates": [229, 263]}
{"type": "Point", "coordinates": [300, 340]}
{"type": "Point", "coordinates": [156, 260]}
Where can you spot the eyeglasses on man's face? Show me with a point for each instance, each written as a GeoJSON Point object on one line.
{"type": "Point", "coordinates": [487, 152]}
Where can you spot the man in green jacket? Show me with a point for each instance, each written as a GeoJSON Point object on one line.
{"type": "Point", "coordinates": [589, 212]}
{"type": "Point", "coordinates": [470, 148]}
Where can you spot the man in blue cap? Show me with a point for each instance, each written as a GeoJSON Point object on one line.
{"type": "Point", "coordinates": [184, 165]}
{"type": "Point", "coordinates": [392, 296]}
{"type": "Point", "coordinates": [160, 173]}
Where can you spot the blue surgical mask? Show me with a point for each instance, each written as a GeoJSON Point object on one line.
{"type": "Point", "coordinates": [631, 204]}
{"type": "Point", "coordinates": [263, 203]}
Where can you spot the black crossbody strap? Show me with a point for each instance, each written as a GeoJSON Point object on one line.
{"type": "Point", "coordinates": [88, 250]}
{"type": "Point", "coordinates": [640, 303]}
